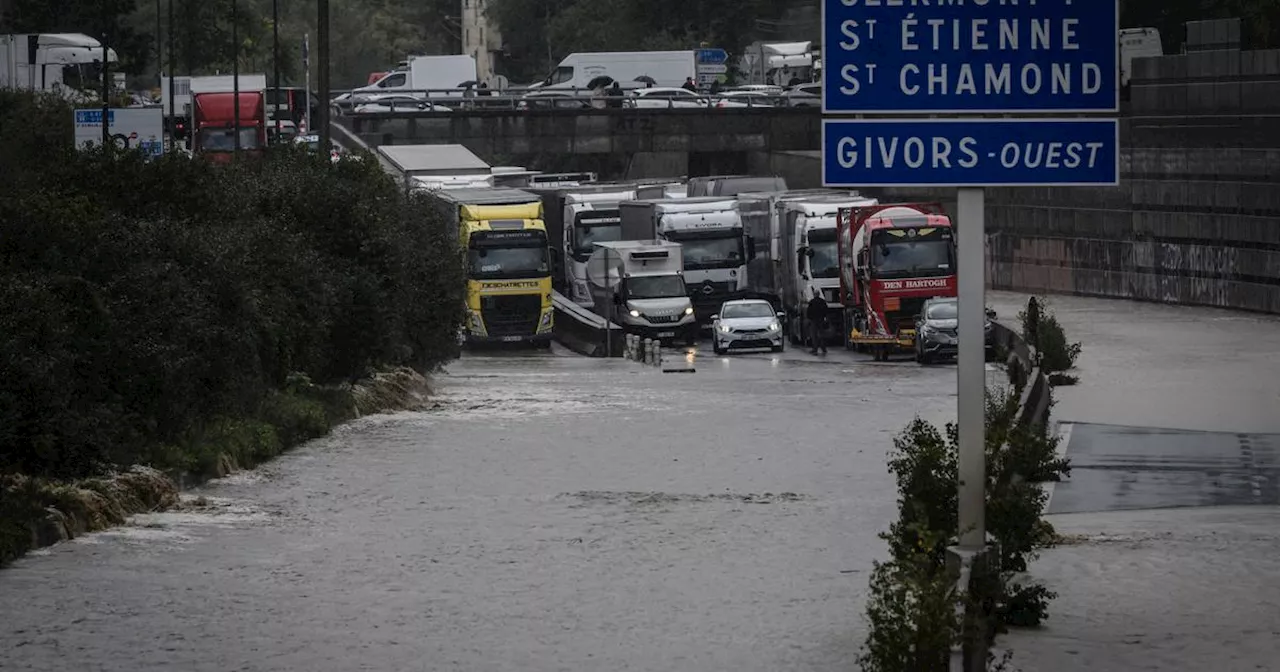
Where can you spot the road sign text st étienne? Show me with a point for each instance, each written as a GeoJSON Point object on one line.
{"type": "Point", "coordinates": [970, 56]}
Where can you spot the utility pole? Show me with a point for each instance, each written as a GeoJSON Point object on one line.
{"type": "Point", "coordinates": [173, 60]}
{"type": "Point", "coordinates": [159, 50]}
{"type": "Point", "coordinates": [322, 35]}
{"type": "Point", "coordinates": [235, 78]}
{"type": "Point", "coordinates": [106, 86]}
{"type": "Point", "coordinates": [275, 59]}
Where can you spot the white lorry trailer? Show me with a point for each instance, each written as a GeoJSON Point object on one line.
{"type": "Point", "coordinates": [435, 167]}
{"type": "Point", "coordinates": [639, 285]}
{"type": "Point", "coordinates": [716, 247]}
{"type": "Point", "coordinates": [66, 63]}
{"type": "Point", "coordinates": [732, 185]}
{"type": "Point", "coordinates": [802, 249]}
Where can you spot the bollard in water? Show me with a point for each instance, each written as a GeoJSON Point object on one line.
{"type": "Point", "coordinates": [655, 355]}
{"type": "Point", "coordinates": [644, 350]}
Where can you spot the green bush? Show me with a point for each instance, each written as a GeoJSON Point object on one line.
{"type": "Point", "coordinates": [909, 593]}
{"type": "Point", "coordinates": [1040, 329]}
{"type": "Point", "coordinates": [147, 307]}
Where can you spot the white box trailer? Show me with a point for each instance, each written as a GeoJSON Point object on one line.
{"type": "Point", "coordinates": [433, 167]}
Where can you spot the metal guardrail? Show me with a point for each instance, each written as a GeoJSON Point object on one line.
{"type": "Point", "coordinates": [429, 101]}
{"type": "Point", "coordinates": [583, 331]}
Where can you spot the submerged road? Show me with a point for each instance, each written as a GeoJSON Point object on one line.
{"type": "Point", "coordinates": [553, 513]}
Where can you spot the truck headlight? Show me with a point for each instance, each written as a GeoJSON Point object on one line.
{"type": "Point", "coordinates": [634, 313]}
{"type": "Point", "coordinates": [688, 311]}
{"type": "Point", "coordinates": [546, 318]}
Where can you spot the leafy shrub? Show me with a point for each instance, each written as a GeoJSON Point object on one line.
{"type": "Point", "coordinates": [1040, 328]}
{"type": "Point", "coordinates": [143, 304]}
{"type": "Point", "coordinates": [908, 593]}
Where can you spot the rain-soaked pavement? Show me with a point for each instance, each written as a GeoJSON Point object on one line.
{"type": "Point", "coordinates": [563, 513]}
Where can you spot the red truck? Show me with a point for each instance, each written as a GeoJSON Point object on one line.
{"type": "Point", "coordinates": [214, 124]}
{"type": "Point", "coordinates": [892, 258]}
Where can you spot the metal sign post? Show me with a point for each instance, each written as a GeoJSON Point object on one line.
{"type": "Point", "coordinates": [882, 57]}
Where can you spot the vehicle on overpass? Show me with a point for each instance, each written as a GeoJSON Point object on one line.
{"type": "Point", "coordinates": [577, 218]}
{"type": "Point", "coordinates": [69, 64]}
{"type": "Point", "coordinates": [666, 97]}
{"type": "Point", "coordinates": [745, 324]}
{"type": "Point", "coordinates": [639, 285]}
{"type": "Point", "coordinates": [432, 167]}
{"type": "Point", "coordinates": [780, 63]}
{"type": "Point", "coordinates": [508, 296]}
{"type": "Point", "coordinates": [423, 76]}
{"type": "Point", "coordinates": [659, 68]}
{"type": "Point", "coordinates": [937, 334]}
{"type": "Point", "coordinates": [397, 103]}
{"type": "Point", "coordinates": [716, 246]}
{"type": "Point", "coordinates": [892, 258]}
{"type": "Point", "coordinates": [215, 125]}
{"type": "Point", "coordinates": [799, 261]}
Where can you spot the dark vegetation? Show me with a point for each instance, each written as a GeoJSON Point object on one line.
{"type": "Point", "coordinates": [169, 313]}
{"type": "Point", "coordinates": [1055, 355]}
{"type": "Point", "coordinates": [912, 609]}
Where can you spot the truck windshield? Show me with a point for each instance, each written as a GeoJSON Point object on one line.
{"type": "Point", "coordinates": [221, 139]}
{"type": "Point", "coordinates": [655, 287]}
{"type": "Point", "coordinates": [707, 253]}
{"type": "Point", "coordinates": [921, 257]}
{"type": "Point", "coordinates": [822, 264]}
{"type": "Point", "coordinates": [587, 232]}
{"type": "Point", "coordinates": [507, 254]}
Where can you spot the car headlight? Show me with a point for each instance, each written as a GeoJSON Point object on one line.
{"type": "Point", "coordinates": [634, 313]}
{"type": "Point", "coordinates": [724, 329]}
{"type": "Point", "coordinates": [774, 326]}
{"type": "Point", "coordinates": [688, 311]}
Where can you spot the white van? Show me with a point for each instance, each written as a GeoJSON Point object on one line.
{"type": "Point", "coordinates": [665, 68]}
{"type": "Point", "coordinates": [423, 73]}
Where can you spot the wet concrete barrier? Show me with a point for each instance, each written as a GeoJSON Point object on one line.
{"type": "Point", "coordinates": [584, 332]}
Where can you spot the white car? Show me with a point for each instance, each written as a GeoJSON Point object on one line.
{"type": "Point", "coordinates": [401, 103]}
{"type": "Point", "coordinates": [746, 323]}
{"type": "Point", "coordinates": [736, 99]}
{"type": "Point", "coordinates": [664, 97]}
{"type": "Point", "coordinates": [804, 95]}
{"type": "Point", "coordinates": [553, 100]}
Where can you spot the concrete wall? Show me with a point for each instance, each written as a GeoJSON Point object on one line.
{"type": "Point", "coordinates": [1196, 219]}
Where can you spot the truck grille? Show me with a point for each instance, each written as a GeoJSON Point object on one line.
{"type": "Point", "coordinates": [662, 319]}
{"type": "Point", "coordinates": [511, 315]}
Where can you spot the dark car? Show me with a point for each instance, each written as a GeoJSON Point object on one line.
{"type": "Point", "coordinates": [936, 331]}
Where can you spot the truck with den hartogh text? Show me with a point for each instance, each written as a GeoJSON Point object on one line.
{"type": "Point", "coordinates": [892, 258]}
{"type": "Point", "coordinates": [508, 297]}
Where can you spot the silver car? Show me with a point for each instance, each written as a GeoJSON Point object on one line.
{"type": "Point", "coordinates": [745, 324]}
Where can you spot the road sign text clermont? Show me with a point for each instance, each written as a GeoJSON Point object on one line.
{"type": "Point", "coordinates": [957, 56]}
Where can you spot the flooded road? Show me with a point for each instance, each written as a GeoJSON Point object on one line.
{"type": "Point", "coordinates": [554, 513]}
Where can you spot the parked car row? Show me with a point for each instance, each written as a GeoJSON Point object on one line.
{"type": "Point", "coordinates": [804, 95]}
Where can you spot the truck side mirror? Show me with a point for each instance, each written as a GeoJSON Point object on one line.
{"type": "Point", "coordinates": [715, 317]}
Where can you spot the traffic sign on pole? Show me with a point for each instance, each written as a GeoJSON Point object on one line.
{"type": "Point", "coordinates": [902, 56]}
{"type": "Point", "coordinates": [713, 56]}
{"type": "Point", "coordinates": [970, 152]}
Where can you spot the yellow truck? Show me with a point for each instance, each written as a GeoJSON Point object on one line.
{"type": "Point", "coordinates": [508, 263]}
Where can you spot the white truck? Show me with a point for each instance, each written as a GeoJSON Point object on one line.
{"type": "Point", "coordinates": [69, 64]}
{"type": "Point", "coordinates": [628, 68]}
{"type": "Point", "coordinates": [780, 63]}
{"type": "Point", "coordinates": [802, 249]}
{"type": "Point", "coordinates": [435, 167]}
{"type": "Point", "coordinates": [425, 77]}
{"type": "Point", "coordinates": [1137, 43]}
{"type": "Point", "coordinates": [577, 218]}
{"type": "Point", "coordinates": [732, 185]}
{"type": "Point", "coordinates": [639, 285]}
{"type": "Point", "coordinates": [716, 246]}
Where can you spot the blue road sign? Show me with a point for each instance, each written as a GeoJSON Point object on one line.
{"type": "Point", "coordinates": [712, 56]}
{"type": "Point", "coordinates": [94, 117]}
{"type": "Point", "coordinates": [951, 56]}
{"type": "Point", "coordinates": [970, 152]}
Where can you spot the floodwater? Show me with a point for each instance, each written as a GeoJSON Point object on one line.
{"type": "Point", "coordinates": [552, 513]}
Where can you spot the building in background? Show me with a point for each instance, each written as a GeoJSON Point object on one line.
{"type": "Point", "coordinates": [481, 39]}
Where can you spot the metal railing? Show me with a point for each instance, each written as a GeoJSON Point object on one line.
{"type": "Point", "coordinates": [444, 101]}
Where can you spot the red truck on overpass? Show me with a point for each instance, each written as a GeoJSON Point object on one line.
{"type": "Point", "coordinates": [892, 258]}
{"type": "Point", "coordinates": [214, 124]}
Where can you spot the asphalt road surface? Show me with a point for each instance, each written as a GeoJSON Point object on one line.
{"type": "Point", "coordinates": [554, 513]}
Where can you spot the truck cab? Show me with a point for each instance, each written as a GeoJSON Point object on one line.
{"type": "Point", "coordinates": [216, 126]}
{"type": "Point", "coordinates": [640, 286]}
{"type": "Point", "coordinates": [508, 296]}
{"type": "Point", "coordinates": [69, 64]}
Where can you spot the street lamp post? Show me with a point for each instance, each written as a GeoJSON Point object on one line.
{"type": "Point", "coordinates": [322, 35]}
{"type": "Point", "coordinates": [275, 59]}
{"type": "Point", "coordinates": [235, 79]}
